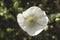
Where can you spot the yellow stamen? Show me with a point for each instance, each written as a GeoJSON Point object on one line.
{"type": "Point", "coordinates": [29, 20]}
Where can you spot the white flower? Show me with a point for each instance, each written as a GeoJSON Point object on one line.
{"type": "Point", "coordinates": [33, 20]}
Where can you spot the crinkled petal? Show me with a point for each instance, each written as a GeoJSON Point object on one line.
{"type": "Point", "coordinates": [32, 11]}
{"type": "Point", "coordinates": [20, 20]}
{"type": "Point", "coordinates": [33, 30]}
{"type": "Point", "coordinates": [35, 33]}
{"type": "Point", "coordinates": [43, 20]}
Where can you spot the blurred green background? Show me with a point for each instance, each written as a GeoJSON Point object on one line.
{"type": "Point", "coordinates": [9, 28]}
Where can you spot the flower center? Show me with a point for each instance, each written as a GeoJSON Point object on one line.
{"type": "Point", "coordinates": [29, 20]}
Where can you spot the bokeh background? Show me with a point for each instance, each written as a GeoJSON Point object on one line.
{"type": "Point", "coordinates": [9, 28]}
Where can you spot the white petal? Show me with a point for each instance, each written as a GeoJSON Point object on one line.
{"type": "Point", "coordinates": [46, 17]}
{"type": "Point", "coordinates": [32, 11]}
{"type": "Point", "coordinates": [33, 30]}
{"type": "Point", "coordinates": [42, 20]}
{"type": "Point", "coordinates": [20, 20]}
{"type": "Point", "coordinates": [35, 33]}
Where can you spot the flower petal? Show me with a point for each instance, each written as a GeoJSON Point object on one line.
{"type": "Point", "coordinates": [34, 29]}
{"type": "Point", "coordinates": [20, 20]}
{"type": "Point", "coordinates": [35, 33]}
{"type": "Point", "coordinates": [43, 20]}
{"type": "Point", "coordinates": [32, 11]}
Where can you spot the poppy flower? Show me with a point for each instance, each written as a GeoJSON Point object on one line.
{"type": "Point", "coordinates": [33, 20]}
